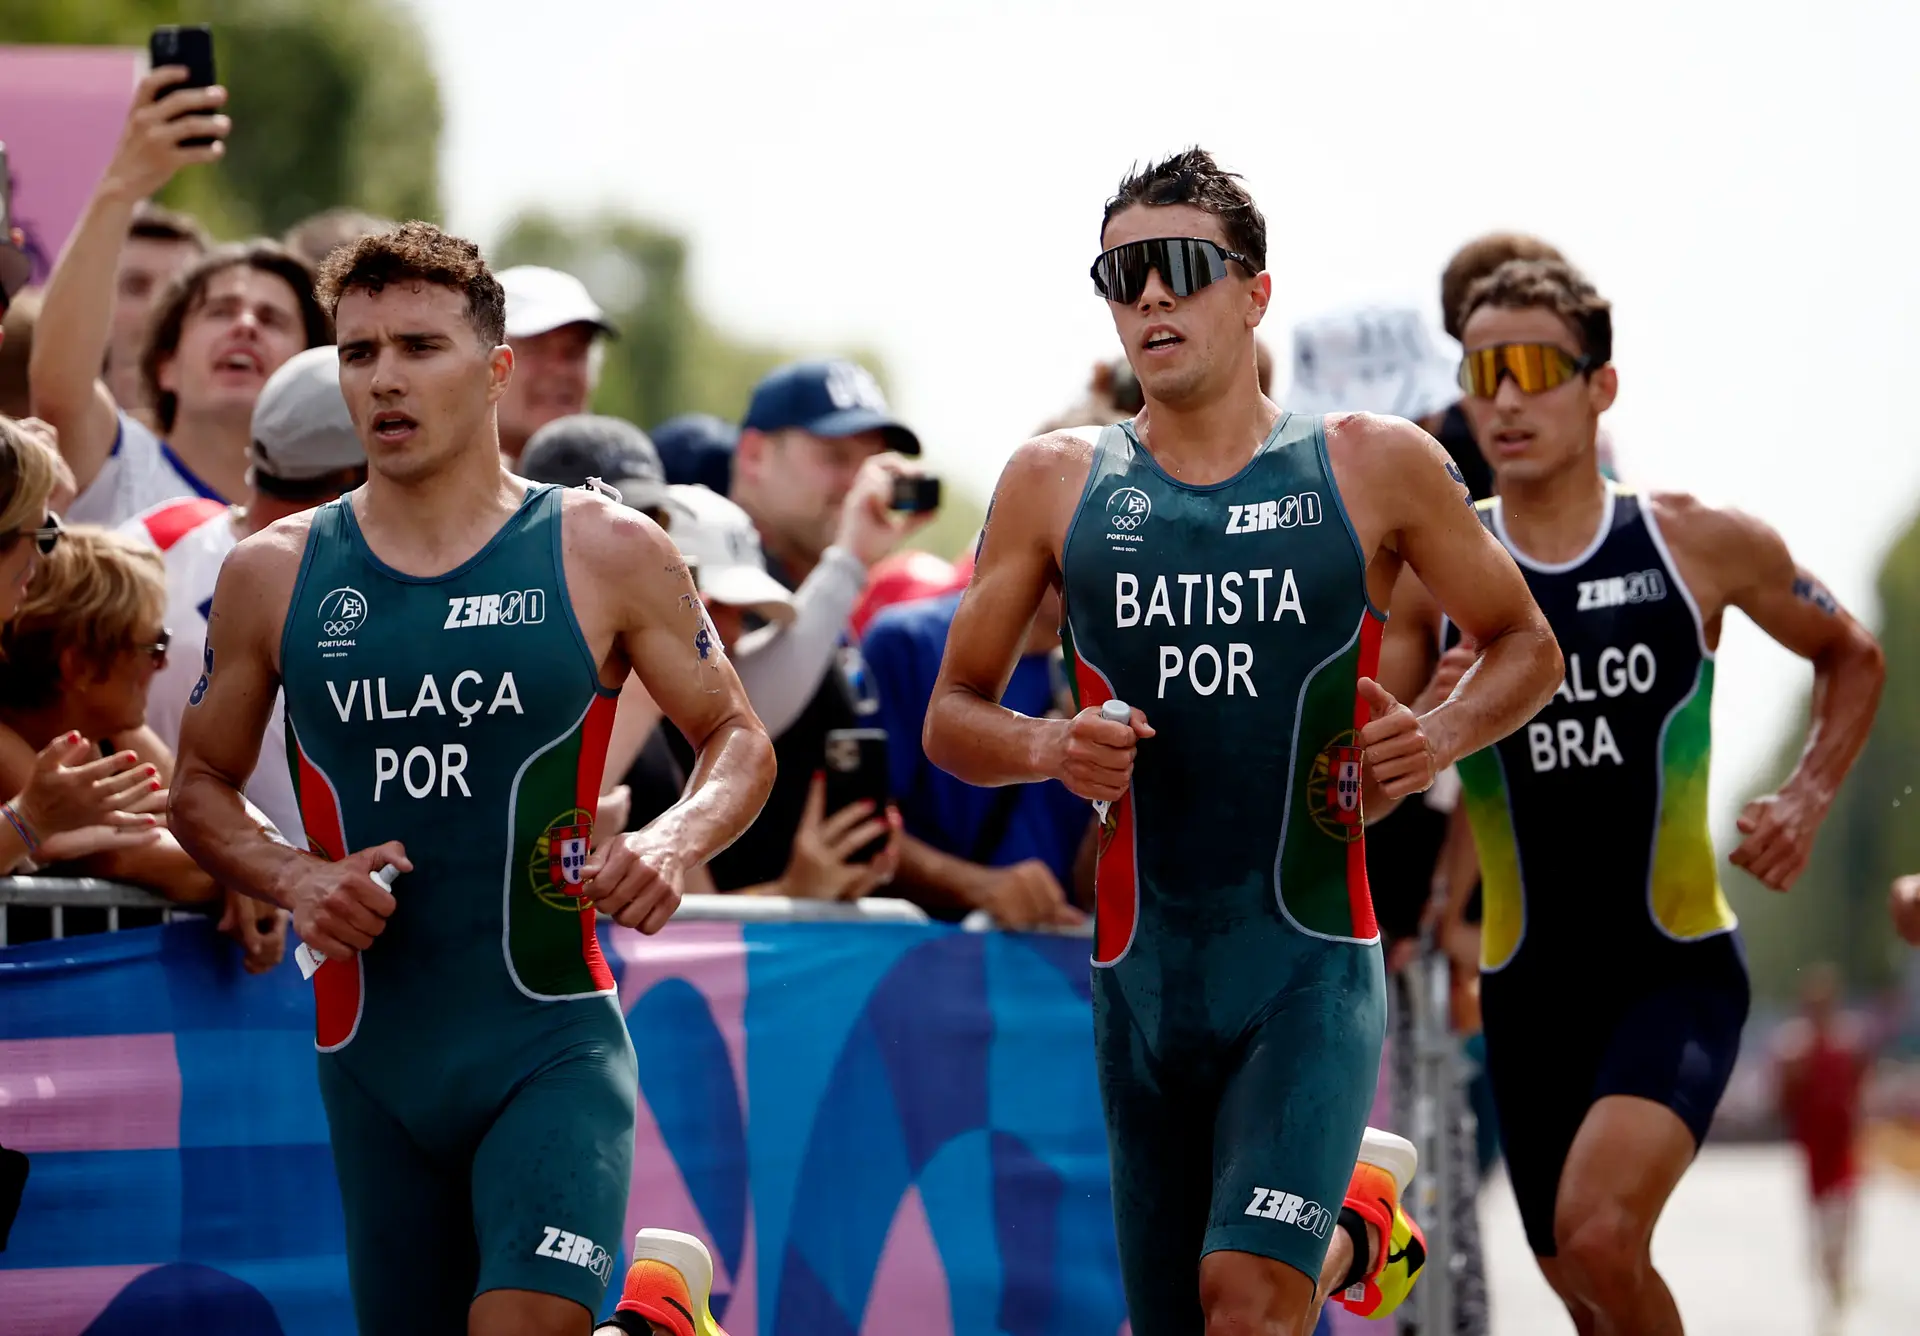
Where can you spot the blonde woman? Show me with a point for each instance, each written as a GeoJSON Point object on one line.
{"type": "Point", "coordinates": [69, 802]}
{"type": "Point", "coordinates": [79, 652]}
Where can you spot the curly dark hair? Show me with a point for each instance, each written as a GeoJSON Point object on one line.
{"type": "Point", "coordinates": [419, 252]}
{"type": "Point", "coordinates": [1553, 285]}
{"type": "Point", "coordinates": [1193, 177]}
{"type": "Point", "coordinates": [189, 289]}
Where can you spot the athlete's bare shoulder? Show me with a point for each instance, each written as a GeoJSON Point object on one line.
{"type": "Point", "coordinates": [1391, 474]}
{"type": "Point", "coordinates": [1719, 549]}
{"type": "Point", "coordinates": [616, 557]}
{"type": "Point", "coordinates": [1039, 488]}
{"type": "Point", "coordinates": [267, 563]}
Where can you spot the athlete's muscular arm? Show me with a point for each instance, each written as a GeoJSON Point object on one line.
{"type": "Point", "coordinates": [1730, 559]}
{"type": "Point", "coordinates": [338, 908]}
{"type": "Point", "coordinates": [1400, 490]}
{"type": "Point", "coordinates": [968, 733]}
{"type": "Point", "coordinates": [646, 594]}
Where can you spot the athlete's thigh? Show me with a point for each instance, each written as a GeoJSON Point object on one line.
{"type": "Point", "coordinates": [1677, 1046]}
{"type": "Point", "coordinates": [1624, 1163]}
{"type": "Point", "coordinates": [1542, 1060]}
{"type": "Point", "coordinates": [1292, 1115]}
{"type": "Point", "coordinates": [1159, 1143]}
{"type": "Point", "coordinates": [551, 1175]}
{"type": "Point", "coordinates": [411, 1259]}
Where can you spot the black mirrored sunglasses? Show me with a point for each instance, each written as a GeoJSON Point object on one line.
{"type": "Point", "coordinates": [1186, 265]}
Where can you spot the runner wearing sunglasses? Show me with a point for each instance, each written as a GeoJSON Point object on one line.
{"type": "Point", "coordinates": [1614, 984]}
{"type": "Point", "coordinates": [1221, 564]}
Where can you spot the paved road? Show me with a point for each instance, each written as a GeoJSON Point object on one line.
{"type": "Point", "coordinates": [1733, 1246]}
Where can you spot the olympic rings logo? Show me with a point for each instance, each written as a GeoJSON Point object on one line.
{"type": "Point", "coordinates": [342, 612]}
{"type": "Point", "coordinates": [1128, 509]}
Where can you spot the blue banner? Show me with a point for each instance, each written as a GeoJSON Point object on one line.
{"type": "Point", "coordinates": [925, 1152]}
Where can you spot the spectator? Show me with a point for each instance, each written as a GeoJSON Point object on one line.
{"type": "Point", "coordinates": [314, 238]}
{"type": "Point", "coordinates": [720, 545]}
{"type": "Point", "coordinates": [160, 245]}
{"type": "Point", "coordinates": [16, 342]}
{"type": "Point", "coordinates": [219, 330]}
{"type": "Point", "coordinates": [698, 448]}
{"type": "Point", "coordinates": [554, 328]}
{"type": "Point", "coordinates": [1011, 851]}
{"type": "Point", "coordinates": [570, 450]}
{"type": "Point", "coordinates": [904, 577]}
{"type": "Point", "coordinates": [79, 652]}
{"type": "Point", "coordinates": [810, 429]}
{"type": "Point", "coordinates": [72, 803]}
{"type": "Point", "coordinates": [783, 644]}
{"type": "Point", "coordinates": [305, 452]}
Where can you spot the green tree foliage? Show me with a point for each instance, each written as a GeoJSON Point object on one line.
{"type": "Point", "coordinates": [1838, 911]}
{"type": "Point", "coordinates": [333, 102]}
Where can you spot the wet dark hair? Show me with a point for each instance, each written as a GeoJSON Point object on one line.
{"type": "Point", "coordinates": [1552, 285]}
{"type": "Point", "coordinates": [420, 253]}
{"type": "Point", "coordinates": [1193, 177]}
{"type": "Point", "coordinates": [189, 289]}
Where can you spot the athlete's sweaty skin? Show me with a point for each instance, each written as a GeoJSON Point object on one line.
{"type": "Point", "coordinates": [1204, 421]}
{"type": "Point", "coordinates": [422, 387]}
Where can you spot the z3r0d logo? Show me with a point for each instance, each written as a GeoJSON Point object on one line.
{"type": "Point", "coordinates": [1333, 788]}
{"type": "Point", "coordinates": [559, 860]}
{"type": "Point", "coordinates": [342, 612]}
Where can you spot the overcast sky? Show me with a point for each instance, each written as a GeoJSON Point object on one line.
{"type": "Point", "coordinates": [926, 179]}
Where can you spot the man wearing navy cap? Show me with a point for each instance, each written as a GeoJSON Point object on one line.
{"type": "Point", "coordinates": [697, 449]}
{"type": "Point", "coordinates": [810, 428]}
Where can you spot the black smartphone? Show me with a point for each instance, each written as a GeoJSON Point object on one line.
{"type": "Point", "coordinates": [857, 768]}
{"type": "Point", "coordinates": [916, 494]}
{"type": "Point", "coordinates": [190, 45]}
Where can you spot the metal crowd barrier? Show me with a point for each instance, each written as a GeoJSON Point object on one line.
{"type": "Point", "coordinates": [60, 894]}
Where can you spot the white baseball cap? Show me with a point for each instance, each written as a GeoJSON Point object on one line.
{"type": "Point", "coordinates": [719, 539]}
{"type": "Point", "coordinates": [1372, 359]}
{"type": "Point", "coordinates": [302, 430]}
{"type": "Point", "coordinates": [541, 299]}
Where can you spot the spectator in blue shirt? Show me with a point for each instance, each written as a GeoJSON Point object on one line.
{"type": "Point", "coordinates": [1009, 851]}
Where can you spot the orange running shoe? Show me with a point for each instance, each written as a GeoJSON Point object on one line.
{"type": "Point", "coordinates": [1387, 1164]}
{"type": "Point", "coordinates": [670, 1283]}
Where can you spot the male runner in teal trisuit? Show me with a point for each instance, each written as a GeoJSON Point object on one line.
{"type": "Point", "coordinates": [451, 641]}
{"type": "Point", "coordinates": [1222, 565]}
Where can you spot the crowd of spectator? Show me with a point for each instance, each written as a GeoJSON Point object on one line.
{"type": "Point", "coordinates": [185, 394]}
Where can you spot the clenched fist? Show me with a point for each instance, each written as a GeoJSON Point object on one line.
{"type": "Point", "coordinates": [1400, 755]}
{"type": "Point", "coordinates": [1093, 756]}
